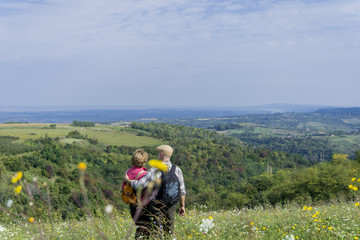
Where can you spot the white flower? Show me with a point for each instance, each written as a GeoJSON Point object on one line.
{"type": "Point", "coordinates": [9, 203]}
{"type": "Point", "coordinates": [2, 229]}
{"type": "Point", "coordinates": [289, 237]}
{"type": "Point", "coordinates": [206, 225]}
{"type": "Point", "coordinates": [109, 208]}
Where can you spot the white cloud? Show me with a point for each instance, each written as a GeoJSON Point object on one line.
{"type": "Point", "coordinates": [193, 41]}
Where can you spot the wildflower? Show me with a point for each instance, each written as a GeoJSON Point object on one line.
{"type": "Point", "coordinates": [16, 177]}
{"type": "Point", "coordinates": [18, 189]}
{"type": "Point", "coordinates": [304, 208]}
{"type": "Point", "coordinates": [252, 223]}
{"type": "Point", "coordinates": [357, 204]}
{"type": "Point", "coordinates": [206, 225]}
{"type": "Point", "coordinates": [82, 166]}
{"type": "Point", "coordinates": [210, 217]}
{"type": "Point", "coordinates": [330, 228]}
{"type": "Point", "coordinates": [31, 219]}
{"type": "Point", "coordinates": [290, 237]}
{"type": "Point", "coordinates": [9, 203]}
{"type": "Point", "coordinates": [351, 186]}
{"type": "Point", "coordinates": [309, 208]}
{"type": "Point", "coordinates": [355, 188]}
{"type": "Point", "coordinates": [109, 208]}
{"type": "Point", "coordinates": [31, 204]}
{"type": "Point", "coordinates": [353, 179]}
{"type": "Point", "coordinates": [159, 165]}
{"type": "Point", "coordinates": [356, 238]}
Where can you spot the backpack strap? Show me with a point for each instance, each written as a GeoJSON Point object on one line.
{"type": "Point", "coordinates": [139, 174]}
{"type": "Point", "coordinates": [173, 167]}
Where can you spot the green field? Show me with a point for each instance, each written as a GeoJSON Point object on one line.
{"type": "Point", "coordinates": [347, 143]}
{"type": "Point", "coordinates": [110, 135]}
{"type": "Point", "coordinates": [263, 130]}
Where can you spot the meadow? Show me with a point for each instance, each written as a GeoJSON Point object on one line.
{"type": "Point", "coordinates": [105, 134]}
{"type": "Point", "coordinates": [331, 220]}
{"type": "Point", "coordinates": [292, 221]}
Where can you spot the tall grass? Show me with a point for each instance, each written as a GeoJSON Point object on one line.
{"type": "Point", "coordinates": [327, 221]}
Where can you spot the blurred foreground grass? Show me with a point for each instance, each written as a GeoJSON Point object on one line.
{"type": "Point", "coordinates": [326, 221]}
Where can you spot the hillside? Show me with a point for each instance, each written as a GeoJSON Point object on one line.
{"type": "Point", "coordinates": [220, 171]}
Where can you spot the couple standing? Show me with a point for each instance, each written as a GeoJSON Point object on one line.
{"type": "Point", "coordinates": [155, 215]}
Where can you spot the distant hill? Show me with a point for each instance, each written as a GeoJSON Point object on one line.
{"type": "Point", "coordinates": [111, 115]}
{"type": "Point", "coordinates": [347, 111]}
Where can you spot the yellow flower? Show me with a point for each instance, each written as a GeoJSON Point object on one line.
{"type": "Point", "coordinates": [16, 177]}
{"type": "Point", "coordinates": [356, 238]}
{"type": "Point", "coordinates": [159, 165]}
{"type": "Point", "coordinates": [351, 186]}
{"type": "Point", "coordinates": [210, 217]}
{"type": "Point", "coordinates": [330, 228]}
{"type": "Point", "coordinates": [355, 188]}
{"type": "Point", "coordinates": [353, 179]}
{"type": "Point", "coordinates": [305, 207]}
{"type": "Point", "coordinates": [358, 180]}
{"type": "Point", "coordinates": [252, 223]}
{"type": "Point", "coordinates": [309, 208]}
{"type": "Point", "coordinates": [31, 219]}
{"type": "Point", "coordinates": [82, 166]}
{"type": "Point", "coordinates": [357, 204]}
{"type": "Point", "coordinates": [18, 189]}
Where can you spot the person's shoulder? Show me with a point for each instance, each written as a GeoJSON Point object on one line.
{"type": "Point", "coordinates": [178, 169]}
{"type": "Point", "coordinates": [152, 170]}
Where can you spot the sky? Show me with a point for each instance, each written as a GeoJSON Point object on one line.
{"type": "Point", "coordinates": [179, 53]}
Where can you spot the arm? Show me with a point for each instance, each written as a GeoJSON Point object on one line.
{"type": "Point", "coordinates": [143, 182]}
{"type": "Point", "coordinates": [179, 173]}
{"type": "Point", "coordinates": [181, 211]}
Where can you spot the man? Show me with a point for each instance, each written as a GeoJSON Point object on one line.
{"type": "Point", "coordinates": [163, 214]}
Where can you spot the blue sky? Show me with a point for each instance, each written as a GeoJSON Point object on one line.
{"type": "Point", "coordinates": [172, 53]}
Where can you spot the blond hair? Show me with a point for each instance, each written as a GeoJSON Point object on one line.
{"type": "Point", "coordinates": [139, 158]}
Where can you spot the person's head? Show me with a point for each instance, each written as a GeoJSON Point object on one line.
{"type": "Point", "coordinates": [165, 152]}
{"type": "Point", "coordinates": [139, 158]}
